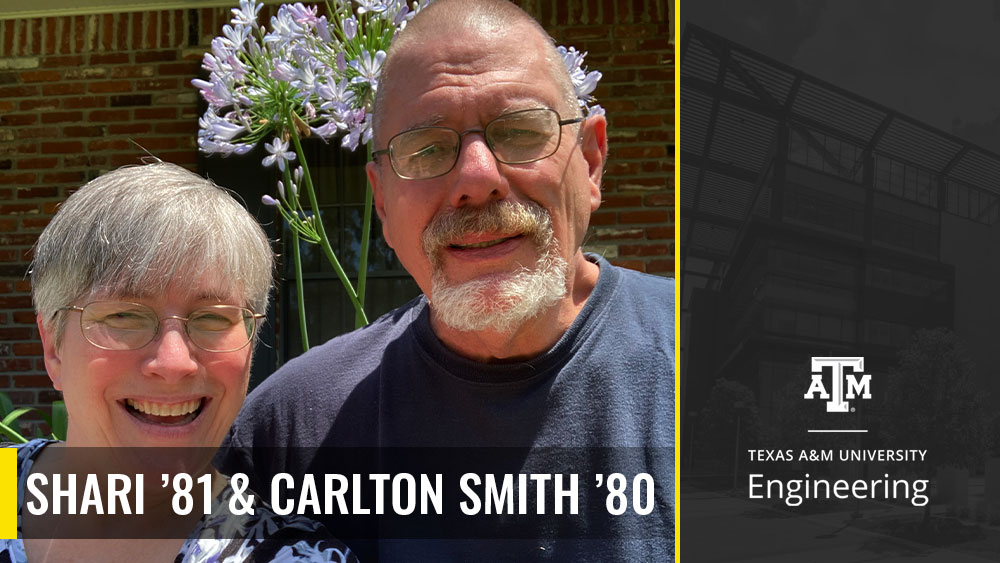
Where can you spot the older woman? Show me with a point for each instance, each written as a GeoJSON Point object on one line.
{"type": "Point", "coordinates": [149, 285]}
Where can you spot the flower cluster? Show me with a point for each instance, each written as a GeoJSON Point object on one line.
{"type": "Point", "coordinates": [584, 82]}
{"type": "Point", "coordinates": [309, 73]}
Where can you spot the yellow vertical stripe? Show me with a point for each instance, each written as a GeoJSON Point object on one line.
{"type": "Point", "coordinates": [677, 279]}
{"type": "Point", "coordinates": [8, 493]}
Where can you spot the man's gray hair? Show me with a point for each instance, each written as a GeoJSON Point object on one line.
{"type": "Point", "coordinates": [134, 230]}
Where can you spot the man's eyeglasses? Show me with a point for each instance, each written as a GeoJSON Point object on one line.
{"type": "Point", "coordinates": [519, 137]}
{"type": "Point", "coordinates": [119, 325]}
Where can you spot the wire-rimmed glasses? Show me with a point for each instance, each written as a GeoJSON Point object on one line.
{"type": "Point", "coordinates": [518, 137]}
{"type": "Point", "coordinates": [121, 325]}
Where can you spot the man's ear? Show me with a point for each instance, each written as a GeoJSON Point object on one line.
{"type": "Point", "coordinates": [595, 151]}
{"type": "Point", "coordinates": [53, 361]}
{"type": "Point", "coordinates": [378, 195]}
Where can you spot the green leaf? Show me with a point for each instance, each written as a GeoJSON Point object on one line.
{"type": "Point", "coordinates": [60, 420]}
{"type": "Point", "coordinates": [6, 405]}
{"type": "Point", "coordinates": [15, 414]}
{"type": "Point", "coordinates": [12, 434]}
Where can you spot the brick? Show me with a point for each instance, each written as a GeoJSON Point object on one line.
{"type": "Point", "coordinates": [62, 147]}
{"type": "Point", "coordinates": [637, 265]}
{"type": "Point", "coordinates": [189, 127]}
{"type": "Point", "coordinates": [654, 44]}
{"type": "Point", "coordinates": [62, 178]}
{"type": "Point", "coordinates": [110, 87]}
{"type": "Point", "coordinates": [62, 116]}
{"type": "Point", "coordinates": [6, 194]}
{"type": "Point", "coordinates": [84, 131]}
{"type": "Point", "coordinates": [85, 102]}
{"type": "Point", "coordinates": [651, 216]}
{"type": "Point", "coordinates": [632, 91]}
{"type": "Point", "coordinates": [655, 74]}
{"type": "Point", "coordinates": [64, 89]}
{"type": "Point", "coordinates": [18, 119]}
{"type": "Point", "coordinates": [644, 249]}
{"type": "Point", "coordinates": [25, 178]}
{"type": "Point", "coordinates": [38, 132]}
{"type": "Point", "coordinates": [131, 100]}
{"type": "Point", "coordinates": [656, 233]}
{"type": "Point", "coordinates": [185, 69]}
{"type": "Point", "coordinates": [24, 317]}
{"type": "Point", "coordinates": [8, 225]}
{"type": "Point", "coordinates": [158, 143]}
{"type": "Point", "coordinates": [645, 184]}
{"type": "Point", "coordinates": [659, 200]}
{"type": "Point", "coordinates": [18, 208]}
{"type": "Point", "coordinates": [618, 234]}
{"type": "Point", "coordinates": [44, 104]}
{"type": "Point", "coordinates": [129, 128]}
{"type": "Point", "coordinates": [660, 266]}
{"type": "Point", "coordinates": [37, 192]}
{"type": "Point", "coordinates": [32, 380]}
{"type": "Point", "coordinates": [600, 218]}
{"type": "Point", "coordinates": [86, 73]}
{"type": "Point", "coordinates": [159, 84]}
{"type": "Point", "coordinates": [18, 91]}
{"type": "Point", "coordinates": [15, 302]}
{"type": "Point", "coordinates": [23, 285]}
{"type": "Point", "coordinates": [635, 30]}
{"type": "Point", "coordinates": [138, 71]}
{"type": "Point", "coordinates": [36, 163]}
{"type": "Point", "coordinates": [156, 56]}
{"type": "Point", "coordinates": [575, 34]}
{"type": "Point", "coordinates": [62, 61]}
{"type": "Point", "coordinates": [655, 136]}
{"type": "Point", "coordinates": [621, 201]}
{"type": "Point", "coordinates": [185, 157]}
{"type": "Point", "coordinates": [156, 113]}
{"type": "Point", "coordinates": [18, 63]}
{"type": "Point", "coordinates": [7, 106]}
{"type": "Point", "coordinates": [109, 115]}
{"type": "Point", "coordinates": [109, 58]}
{"type": "Point", "coordinates": [639, 152]}
{"type": "Point", "coordinates": [85, 160]}
{"type": "Point", "coordinates": [21, 397]}
{"type": "Point", "coordinates": [30, 76]}
{"type": "Point", "coordinates": [649, 120]}
{"type": "Point", "coordinates": [15, 333]}
{"type": "Point", "coordinates": [35, 223]}
{"type": "Point", "coordinates": [109, 144]}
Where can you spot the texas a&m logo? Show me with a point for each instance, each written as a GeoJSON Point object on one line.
{"type": "Point", "coordinates": [843, 385]}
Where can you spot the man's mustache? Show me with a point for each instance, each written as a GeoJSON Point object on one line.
{"type": "Point", "coordinates": [525, 218]}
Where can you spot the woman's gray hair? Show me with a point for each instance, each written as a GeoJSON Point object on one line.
{"type": "Point", "coordinates": [136, 229]}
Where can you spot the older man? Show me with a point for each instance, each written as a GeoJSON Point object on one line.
{"type": "Point", "coordinates": [485, 178]}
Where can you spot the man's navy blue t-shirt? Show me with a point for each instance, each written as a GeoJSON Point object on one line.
{"type": "Point", "coordinates": [607, 383]}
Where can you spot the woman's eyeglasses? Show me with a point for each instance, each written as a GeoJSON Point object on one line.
{"type": "Point", "coordinates": [120, 325]}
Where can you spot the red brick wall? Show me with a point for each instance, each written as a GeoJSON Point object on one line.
{"type": "Point", "coordinates": [75, 89]}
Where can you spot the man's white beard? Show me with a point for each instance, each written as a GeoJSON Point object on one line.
{"type": "Point", "coordinates": [501, 302]}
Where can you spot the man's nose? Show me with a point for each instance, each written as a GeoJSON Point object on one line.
{"type": "Point", "coordinates": [477, 177]}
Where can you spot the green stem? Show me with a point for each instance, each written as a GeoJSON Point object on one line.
{"type": "Point", "coordinates": [12, 434]}
{"type": "Point", "coordinates": [324, 241]}
{"type": "Point", "coordinates": [366, 228]}
{"type": "Point", "coordinates": [299, 291]}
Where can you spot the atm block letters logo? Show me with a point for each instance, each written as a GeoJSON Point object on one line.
{"type": "Point", "coordinates": [843, 385]}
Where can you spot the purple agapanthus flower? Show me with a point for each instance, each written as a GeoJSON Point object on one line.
{"type": "Point", "coordinates": [279, 154]}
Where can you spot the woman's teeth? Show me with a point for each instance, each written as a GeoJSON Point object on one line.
{"type": "Point", "coordinates": [161, 409]}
